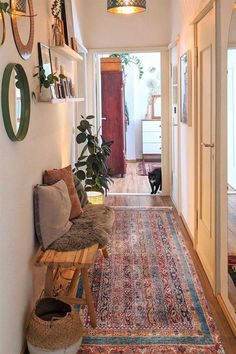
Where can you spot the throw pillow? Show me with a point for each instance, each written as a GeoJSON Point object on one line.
{"type": "Point", "coordinates": [52, 176]}
{"type": "Point", "coordinates": [83, 197]}
{"type": "Point", "coordinates": [52, 208]}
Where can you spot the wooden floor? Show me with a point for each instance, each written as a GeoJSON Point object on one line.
{"type": "Point", "coordinates": [131, 183]}
{"type": "Point", "coordinates": [227, 336]}
{"type": "Point", "coordinates": [232, 241]}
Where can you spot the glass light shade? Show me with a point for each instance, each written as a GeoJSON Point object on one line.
{"type": "Point", "coordinates": [19, 6]}
{"type": "Point", "coordinates": [126, 6]}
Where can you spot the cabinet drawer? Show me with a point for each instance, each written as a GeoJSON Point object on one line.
{"type": "Point", "coordinates": [150, 126]}
{"type": "Point", "coordinates": [151, 148]}
{"type": "Point", "coordinates": [151, 137]}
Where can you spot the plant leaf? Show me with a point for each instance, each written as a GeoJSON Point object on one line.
{"type": "Point", "coordinates": [90, 117]}
{"type": "Point", "coordinates": [81, 164]}
{"type": "Point", "coordinates": [81, 175]}
{"type": "Point", "coordinates": [81, 138]}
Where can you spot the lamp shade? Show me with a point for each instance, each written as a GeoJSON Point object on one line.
{"type": "Point", "coordinates": [126, 6]}
{"type": "Point", "coordinates": [19, 6]}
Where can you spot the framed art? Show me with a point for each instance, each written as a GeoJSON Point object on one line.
{"type": "Point", "coordinates": [46, 63]}
{"type": "Point", "coordinates": [186, 89]}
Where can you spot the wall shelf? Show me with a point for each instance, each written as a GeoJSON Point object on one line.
{"type": "Point", "coordinates": [64, 100]}
{"type": "Point", "coordinates": [67, 52]}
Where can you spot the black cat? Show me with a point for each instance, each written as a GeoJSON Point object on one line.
{"type": "Point", "coordinates": [155, 180]}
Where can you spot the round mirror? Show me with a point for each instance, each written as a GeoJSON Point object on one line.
{"type": "Point", "coordinates": [2, 28]}
{"type": "Point", "coordinates": [15, 102]}
{"type": "Point", "coordinates": [23, 24]}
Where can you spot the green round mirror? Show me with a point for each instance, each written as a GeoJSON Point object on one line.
{"type": "Point", "coordinates": [15, 102]}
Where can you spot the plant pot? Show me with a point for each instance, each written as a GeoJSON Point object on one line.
{"type": "Point", "coordinates": [54, 328]}
{"type": "Point", "coordinates": [95, 197]}
{"type": "Point", "coordinates": [45, 94]}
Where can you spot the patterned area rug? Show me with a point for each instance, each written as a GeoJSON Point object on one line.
{"type": "Point", "coordinates": [147, 294]}
{"type": "Point", "coordinates": [144, 167]}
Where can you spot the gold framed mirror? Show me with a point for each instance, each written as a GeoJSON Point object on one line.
{"type": "Point", "coordinates": [24, 50]}
{"type": "Point", "coordinates": [2, 28]}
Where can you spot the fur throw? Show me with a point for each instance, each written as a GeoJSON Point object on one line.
{"type": "Point", "coordinates": [93, 226]}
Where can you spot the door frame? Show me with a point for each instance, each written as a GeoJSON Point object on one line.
{"type": "Point", "coordinates": [171, 46]}
{"type": "Point", "coordinates": [209, 6]}
{"type": "Point", "coordinates": [94, 94]}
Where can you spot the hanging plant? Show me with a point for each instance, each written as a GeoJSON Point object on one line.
{"type": "Point", "coordinates": [4, 6]}
{"type": "Point", "coordinates": [127, 59]}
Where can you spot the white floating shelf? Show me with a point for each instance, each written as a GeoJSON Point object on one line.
{"type": "Point", "coordinates": [67, 52]}
{"type": "Point", "coordinates": [64, 100]}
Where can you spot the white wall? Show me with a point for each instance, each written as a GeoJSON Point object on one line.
{"type": "Point", "coordinates": [104, 30]}
{"type": "Point", "coordinates": [47, 145]}
{"type": "Point", "coordinates": [136, 93]}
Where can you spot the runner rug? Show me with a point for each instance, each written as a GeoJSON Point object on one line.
{"type": "Point", "coordinates": [143, 168]}
{"type": "Point", "coordinates": [147, 294]}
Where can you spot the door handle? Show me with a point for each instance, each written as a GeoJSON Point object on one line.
{"type": "Point", "coordinates": [104, 118]}
{"type": "Point", "coordinates": [175, 125]}
{"type": "Point", "coordinates": [208, 145]}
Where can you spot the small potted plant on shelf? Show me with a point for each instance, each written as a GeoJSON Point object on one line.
{"type": "Point", "coordinates": [91, 166]}
{"type": "Point", "coordinates": [47, 83]}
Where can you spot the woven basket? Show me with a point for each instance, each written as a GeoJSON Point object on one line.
{"type": "Point", "coordinates": [54, 325]}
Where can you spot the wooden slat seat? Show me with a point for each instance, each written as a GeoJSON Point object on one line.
{"type": "Point", "coordinates": [80, 261]}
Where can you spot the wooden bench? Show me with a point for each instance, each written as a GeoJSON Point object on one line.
{"type": "Point", "coordinates": [77, 263]}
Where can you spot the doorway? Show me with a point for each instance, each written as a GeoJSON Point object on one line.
{"type": "Point", "coordinates": [143, 115]}
{"type": "Point", "coordinates": [205, 127]}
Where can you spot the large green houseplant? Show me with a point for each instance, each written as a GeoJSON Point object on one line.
{"type": "Point", "coordinates": [91, 166]}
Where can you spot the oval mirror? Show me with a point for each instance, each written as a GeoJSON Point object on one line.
{"type": "Point", "coordinates": [21, 24]}
{"type": "Point", "coordinates": [15, 102]}
{"type": "Point", "coordinates": [2, 28]}
{"type": "Point", "coordinates": [231, 159]}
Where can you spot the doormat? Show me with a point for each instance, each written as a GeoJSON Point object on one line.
{"type": "Point", "coordinates": [144, 167]}
{"type": "Point", "coordinates": [232, 268]}
{"type": "Point", "coordinates": [147, 294]}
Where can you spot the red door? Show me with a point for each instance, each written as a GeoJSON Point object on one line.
{"type": "Point", "coordinates": [113, 126]}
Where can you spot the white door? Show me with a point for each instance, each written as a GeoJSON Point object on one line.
{"type": "Point", "coordinates": [232, 118]}
{"type": "Point", "coordinates": [206, 140]}
{"type": "Point", "coordinates": [174, 127]}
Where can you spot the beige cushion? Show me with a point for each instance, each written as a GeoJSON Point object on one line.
{"type": "Point", "coordinates": [52, 176]}
{"type": "Point", "coordinates": [52, 207]}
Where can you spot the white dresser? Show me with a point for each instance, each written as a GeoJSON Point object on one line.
{"type": "Point", "coordinates": [151, 137]}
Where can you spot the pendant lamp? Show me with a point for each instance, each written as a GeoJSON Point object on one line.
{"type": "Point", "coordinates": [19, 6]}
{"type": "Point", "coordinates": [126, 6]}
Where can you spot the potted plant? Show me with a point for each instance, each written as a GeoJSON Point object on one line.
{"type": "Point", "coordinates": [46, 82]}
{"type": "Point", "coordinates": [91, 166]}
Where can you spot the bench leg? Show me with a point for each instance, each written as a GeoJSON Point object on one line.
{"type": "Point", "coordinates": [49, 281]}
{"type": "Point", "coordinates": [88, 297]}
{"type": "Point", "coordinates": [104, 252]}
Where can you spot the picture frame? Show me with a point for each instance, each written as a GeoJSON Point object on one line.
{"type": "Point", "coordinates": [45, 61]}
{"type": "Point", "coordinates": [186, 89]}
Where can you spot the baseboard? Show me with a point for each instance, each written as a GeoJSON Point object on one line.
{"type": "Point", "coordinates": [186, 227]}
{"type": "Point", "coordinates": [135, 160]}
{"type": "Point", "coordinates": [227, 313]}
